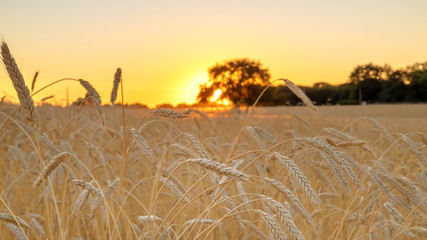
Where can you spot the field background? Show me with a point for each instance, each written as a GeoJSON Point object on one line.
{"type": "Point", "coordinates": [95, 153]}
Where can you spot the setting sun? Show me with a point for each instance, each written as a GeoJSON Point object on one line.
{"type": "Point", "coordinates": [216, 95]}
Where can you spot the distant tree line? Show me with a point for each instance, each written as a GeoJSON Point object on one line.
{"type": "Point", "coordinates": [367, 83]}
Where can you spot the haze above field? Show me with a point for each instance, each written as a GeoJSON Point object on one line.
{"type": "Point", "coordinates": [165, 47]}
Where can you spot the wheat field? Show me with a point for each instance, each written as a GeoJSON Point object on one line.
{"type": "Point", "coordinates": [105, 172]}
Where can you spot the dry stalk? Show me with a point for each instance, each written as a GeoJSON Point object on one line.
{"type": "Point", "coordinates": [146, 150]}
{"type": "Point", "coordinates": [286, 219]}
{"type": "Point", "coordinates": [300, 94]}
{"type": "Point", "coordinates": [48, 169]}
{"type": "Point", "coordinates": [164, 112]}
{"type": "Point", "coordinates": [292, 198]}
{"type": "Point", "coordinates": [414, 149]}
{"type": "Point", "coordinates": [174, 188]}
{"type": "Point", "coordinates": [273, 226]}
{"type": "Point", "coordinates": [220, 169]}
{"type": "Point", "coordinates": [117, 79]}
{"type": "Point", "coordinates": [13, 220]}
{"type": "Point", "coordinates": [87, 186]}
{"type": "Point", "coordinates": [298, 176]}
{"type": "Point", "coordinates": [18, 81]}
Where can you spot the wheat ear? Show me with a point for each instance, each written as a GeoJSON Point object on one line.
{"type": "Point", "coordinates": [300, 94]}
{"type": "Point", "coordinates": [337, 155]}
{"type": "Point", "coordinates": [394, 212]}
{"type": "Point", "coordinates": [174, 188]}
{"type": "Point", "coordinates": [335, 168]}
{"type": "Point", "coordinates": [164, 112]}
{"type": "Point", "coordinates": [286, 219]}
{"type": "Point", "coordinates": [292, 198]}
{"type": "Point", "coordinates": [81, 199]}
{"type": "Point", "coordinates": [87, 186]}
{"type": "Point", "coordinates": [48, 169]}
{"type": "Point", "coordinates": [13, 220]}
{"type": "Point", "coordinates": [151, 218]}
{"type": "Point", "coordinates": [255, 136]}
{"type": "Point", "coordinates": [298, 175]}
{"type": "Point", "coordinates": [273, 226]}
{"type": "Point", "coordinates": [414, 148]}
{"type": "Point", "coordinates": [104, 196]}
{"type": "Point", "coordinates": [220, 168]}
{"type": "Point", "coordinates": [15, 75]}
{"type": "Point", "coordinates": [266, 135]}
{"type": "Point", "coordinates": [33, 84]}
{"type": "Point", "coordinates": [91, 93]}
{"type": "Point", "coordinates": [117, 79]}
{"type": "Point", "coordinates": [19, 235]}
{"type": "Point", "coordinates": [196, 145]}
{"type": "Point", "coordinates": [146, 150]}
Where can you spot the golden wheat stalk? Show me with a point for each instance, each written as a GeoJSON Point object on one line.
{"type": "Point", "coordinates": [341, 135]}
{"type": "Point", "coordinates": [117, 79]}
{"type": "Point", "coordinates": [19, 235]}
{"type": "Point", "coordinates": [87, 186]}
{"type": "Point", "coordinates": [285, 218]}
{"type": "Point", "coordinates": [92, 94]}
{"type": "Point", "coordinates": [335, 168]}
{"type": "Point", "coordinates": [81, 199]}
{"type": "Point", "coordinates": [13, 220]}
{"type": "Point", "coordinates": [300, 94]}
{"type": "Point", "coordinates": [174, 188]}
{"type": "Point", "coordinates": [196, 145]}
{"type": "Point", "coordinates": [273, 226]}
{"type": "Point", "coordinates": [33, 84]}
{"type": "Point", "coordinates": [292, 198]}
{"type": "Point", "coordinates": [414, 149]}
{"type": "Point", "coordinates": [255, 136]}
{"type": "Point", "coordinates": [164, 112]}
{"type": "Point", "coordinates": [299, 176]}
{"type": "Point", "coordinates": [103, 196]}
{"type": "Point", "coordinates": [146, 150]}
{"type": "Point", "coordinates": [46, 98]}
{"type": "Point", "coordinates": [48, 169]}
{"type": "Point", "coordinates": [220, 168]}
{"type": "Point", "coordinates": [18, 82]}
{"type": "Point", "coordinates": [340, 157]}
{"type": "Point", "coordinates": [265, 134]}
{"type": "Point", "coordinates": [394, 212]}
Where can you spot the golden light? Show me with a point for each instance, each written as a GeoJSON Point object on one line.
{"type": "Point", "coordinates": [226, 102]}
{"type": "Point", "coordinates": [216, 95]}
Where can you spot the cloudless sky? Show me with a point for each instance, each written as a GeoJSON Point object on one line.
{"type": "Point", "coordinates": [165, 47]}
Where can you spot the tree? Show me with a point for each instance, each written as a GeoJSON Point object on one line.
{"type": "Point", "coordinates": [369, 78]}
{"type": "Point", "coordinates": [369, 71]}
{"type": "Point", "coordinates": [238, 79]}
{"type": "Point", "coordinates": [417, 76]}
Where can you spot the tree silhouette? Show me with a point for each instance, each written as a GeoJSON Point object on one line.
{"type": "Point", "coordinates": [238, 79]}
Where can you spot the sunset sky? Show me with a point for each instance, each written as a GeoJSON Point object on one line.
{"type": "Point", "coordinates": [165, 47]}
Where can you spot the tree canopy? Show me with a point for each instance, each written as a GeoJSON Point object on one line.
{"type": "Point", "coordinates": [369, 82]}
{"type": "Point", "coordinates": [237, 79]}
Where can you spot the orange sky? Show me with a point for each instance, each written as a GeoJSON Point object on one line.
{"type": "Point", "coordinates": [164, 47]}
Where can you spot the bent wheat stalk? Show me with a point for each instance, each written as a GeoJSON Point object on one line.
{"type": "Point", "coordinates": [220, 169]}
{"type": "Point", "coordinates": [300, 94]}
{"type": "Point", "coordinates": [48, 169]}
{"type": "Point", "coordinates": [15, 75]}
{"type": "Point", "coordinates": [13, 220]}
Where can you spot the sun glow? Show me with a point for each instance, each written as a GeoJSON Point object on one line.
{"type": "Point", "coordinates": [215, 98]}
{"type": "Point", "coordinates": [216, 95]}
